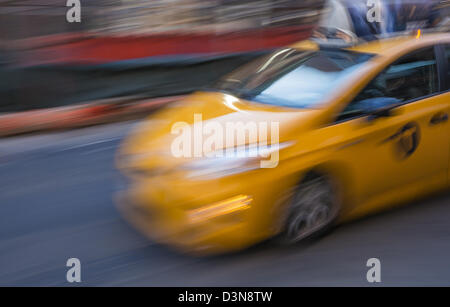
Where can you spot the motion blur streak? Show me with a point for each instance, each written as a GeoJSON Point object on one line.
{"type": "Point", "coordinates": [127, 58]}
{"type": "Point", "coordinates": [227, 206]}
{"type": "Point", "coordinates": [141, 47]}
{"type": "Point", "coordinates": [55, 204]}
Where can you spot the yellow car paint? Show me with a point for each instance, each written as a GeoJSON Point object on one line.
{"type": "Point", "coordinates": [357, 154]}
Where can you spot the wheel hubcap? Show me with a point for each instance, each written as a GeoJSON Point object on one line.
{"type": "Point", "coordinates": [312, 209]}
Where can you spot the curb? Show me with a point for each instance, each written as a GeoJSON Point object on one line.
{"type": "Point", "coordinates": [70, 117]}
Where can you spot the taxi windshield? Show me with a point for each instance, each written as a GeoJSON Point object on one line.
{"type": "Point", "coordinates": [293, 78]}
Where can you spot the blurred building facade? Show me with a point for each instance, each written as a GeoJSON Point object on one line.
{"type": "Point", "coordinates": [30, 18]}
{"type": "Point", "coordinates": [82, 60]}
{"type": "Point", "coordinates": [121, 46]}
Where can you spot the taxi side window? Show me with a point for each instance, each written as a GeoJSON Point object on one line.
{"type": "Point", "coordinates": [409, 78]}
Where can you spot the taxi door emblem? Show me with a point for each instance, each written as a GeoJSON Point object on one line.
{"type": "Point", "coordinates": [406, 140]}
{"type": "Point", "coordinates": [409, 139]}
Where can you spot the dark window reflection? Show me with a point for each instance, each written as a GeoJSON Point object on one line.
{"type": "Point", "coordinates": [409, 78]}
{"type": "Point", "coordinates": [447, 50]}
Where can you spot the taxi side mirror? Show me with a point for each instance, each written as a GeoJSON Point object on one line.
{"type": "Point", "coordinates": [380, 107]}
{"type": "Point", "coordinates": [384, 112]}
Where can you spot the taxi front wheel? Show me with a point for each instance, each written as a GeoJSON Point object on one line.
{"type": "Point", "coordinates": [312, 209]}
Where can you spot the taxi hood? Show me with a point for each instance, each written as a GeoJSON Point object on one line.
{"type": "Point", "coordinates": [203, 114]}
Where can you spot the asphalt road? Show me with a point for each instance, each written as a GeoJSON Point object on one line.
{"type": "Point", "coordinates": [56, 203]}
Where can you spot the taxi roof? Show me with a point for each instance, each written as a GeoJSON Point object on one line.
{"type": "Point", "coordinates": [384, 46]}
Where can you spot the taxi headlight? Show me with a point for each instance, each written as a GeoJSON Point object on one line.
{"type": "Point", "coordinates": [219, 167]}
{"type": "Point", "coordinates": [229, 162]}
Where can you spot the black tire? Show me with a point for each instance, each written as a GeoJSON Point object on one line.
{"type": "Point", "coordinates": [312, 209]}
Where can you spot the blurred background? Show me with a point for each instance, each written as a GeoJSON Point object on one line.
{"type": "Point", "coordinates": [135, 47]}
{"type": "Point", "coordinates": [56, 188]}
{"type": "Point", "coordinates": [152, 48]}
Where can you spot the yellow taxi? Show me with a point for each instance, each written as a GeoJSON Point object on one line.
{"type": "Point", "coordinates": [319, 135]}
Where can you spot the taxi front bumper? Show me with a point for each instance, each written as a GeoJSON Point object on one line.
{"type": "Point", "coordinates": [176, 227]}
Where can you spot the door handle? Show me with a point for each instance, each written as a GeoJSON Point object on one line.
{"type": "Point", "coordinates": [439, 118]}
